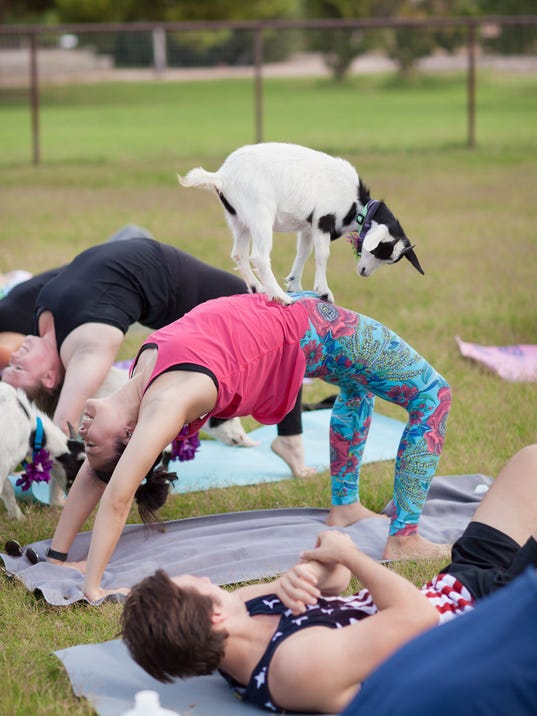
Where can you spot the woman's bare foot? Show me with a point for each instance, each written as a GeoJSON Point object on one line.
{"type": "Point", "coordinates": [345, 515]}
{"type": "Point", "coordinates": [291, 450]}
{"type": "Point", "coordinates": [414, 547]}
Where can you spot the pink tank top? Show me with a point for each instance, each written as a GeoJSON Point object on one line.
{"type": "Point", "coordinates": [258, 372]}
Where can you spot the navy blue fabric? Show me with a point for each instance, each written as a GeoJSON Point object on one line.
{"type": "Point", "coordinates": [331, 612]}
{"type": "Point", "coordinates": [17, 308]}
{"type": "Point", "coordinates": [483, 663]}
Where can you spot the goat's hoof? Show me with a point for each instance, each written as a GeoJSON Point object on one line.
{"type": "Point", "coordinates": [326, 296]}
{"type": "Point", "coordinates": [292, 286]}
{"type": "Point", "coordinates": [282, 300]}
{"type": "Point", "coordinates": [253, 288]}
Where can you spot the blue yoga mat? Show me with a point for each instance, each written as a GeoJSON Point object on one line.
{"type": "Point", "coordinates": [218, 465]}
{"type": "Point", "coordinates": [38, 491]}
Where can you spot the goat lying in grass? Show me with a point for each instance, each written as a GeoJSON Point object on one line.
{"type": "Point", "coordinates": [20, 423]}
{"type": "Point", "coordinates": [278, 187]}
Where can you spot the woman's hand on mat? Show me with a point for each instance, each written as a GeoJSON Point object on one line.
{"type": "Point", "coordinates": [80, 566]}
{"type": "Point", "coordinates": [298, 587]}
{"type": "Point", "coordinates": [94, 595]}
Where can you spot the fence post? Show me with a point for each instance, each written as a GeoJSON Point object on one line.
{"type": "Point", "coordinates": [471, 85]}
{"type": "Point", "coordinates": [159, 50]}
{"type": "Point", "coordinates": [258, 80]}
{"type": "Point", "coordinates": [34, 99]}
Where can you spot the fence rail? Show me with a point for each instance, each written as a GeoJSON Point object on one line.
{"type": "Point", "coordinates": [32, 40]}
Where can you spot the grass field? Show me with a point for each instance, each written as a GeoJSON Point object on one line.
{"type": "Point", "coordinates": [115, 122]}
{"type": "Point", "coordinates": [110, 155]}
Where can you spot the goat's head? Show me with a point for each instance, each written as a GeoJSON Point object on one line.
{"type": "Point", "coordinates": [70, 461]}
{"type": "Point", "coordinates": [380, 247]}
{"type": "Point", "coordinates": [380, 239]}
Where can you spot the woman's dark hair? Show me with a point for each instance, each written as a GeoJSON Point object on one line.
{"type": "Point", "coordinates": [153, 491]}
{"type": "Point", "coordinates": [46, 399]}
{"type": "Point", "coordinates": [168, 629]}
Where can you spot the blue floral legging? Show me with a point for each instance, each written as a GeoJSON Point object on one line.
{"type": "Point", "coordinates": [365, 358]}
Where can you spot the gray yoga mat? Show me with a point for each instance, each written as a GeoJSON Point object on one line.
{"type": "Point", "coordinates": [239, 546]}
{"type": "Point", "coordinates": [228, 548]}
{"type": "Point", "coordinates": [108, 678]}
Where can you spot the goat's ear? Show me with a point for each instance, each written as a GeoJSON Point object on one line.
{"type": "Point", "coordinates": [75, 446]}
{"type": "Point", "coordinates": [409, 253]}
{"type": "Point", "coordinates": [72, 432]}
{"type": "Point", "coordinates": [166, 458]}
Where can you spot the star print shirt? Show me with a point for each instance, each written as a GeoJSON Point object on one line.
{"type": "Point", "coordinates": [331, 612]}
{"type": "Point", "coordinates": [449, 596]}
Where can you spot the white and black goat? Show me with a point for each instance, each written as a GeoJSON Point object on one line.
{"type": "Point", "coordinates": [279, 187]}
{"type": "Point", "coordinates": [20, 422]}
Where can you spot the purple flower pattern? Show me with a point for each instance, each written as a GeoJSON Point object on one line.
{"type": "Point", "coordinates": [38, 470]}
{"type": "Point", "coordinates": [185, 448]}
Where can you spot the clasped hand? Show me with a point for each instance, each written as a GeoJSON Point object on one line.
{"type": "Point", "coordinates": [298, 587]}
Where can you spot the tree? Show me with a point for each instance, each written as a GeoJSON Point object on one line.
{"type": "Point", "coordinates": [25, 11]}
{"type": "Point", "coordinates": [339, 46]}
{"type": "Point", "coordinates": [407, 45]}
{"type": "Point", "coordinates": [404, 45]}
{"type": "Point", "coordinates": [175, 11]}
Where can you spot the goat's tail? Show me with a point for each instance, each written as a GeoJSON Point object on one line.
{"type": "Point", "coordinates": [201, 179]}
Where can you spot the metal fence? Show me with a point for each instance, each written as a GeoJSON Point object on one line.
{"type": "Point", "coordinates": [32, 55]}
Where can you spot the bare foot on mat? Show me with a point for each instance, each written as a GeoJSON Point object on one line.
{"type": "Point", "coordinates": [414, 547]}
{"type": "Point", "coordinates": [291, 450]}
{"type": "Point", "coordinates": [345, 515]}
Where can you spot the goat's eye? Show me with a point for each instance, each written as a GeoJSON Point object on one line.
{"type": "Point", "coordinates": [383, 251]}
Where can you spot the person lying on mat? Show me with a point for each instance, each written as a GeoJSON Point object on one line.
{"type": "Point", "coordinates": [292, 644]}
{"type": "Point", "coordinates": [83, 312]}
{"type": "Point", "coordinates": [245, 355]}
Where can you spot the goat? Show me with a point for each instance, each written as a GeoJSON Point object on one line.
{"type": "Point", "coordinates": [279, 187]}
{"type": "Point", "coordinates": [20, 421]}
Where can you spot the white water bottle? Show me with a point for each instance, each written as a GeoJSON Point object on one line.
{"type": "Point", "coordinates": [147, 703]}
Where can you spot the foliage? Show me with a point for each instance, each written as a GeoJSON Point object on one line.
{"type": "Point", "coordinates": [162, 10]}
{"type": "Point", "coordinates": [24, 11]}
{"type": "Point", "coordinates": [506, 7]}
{"type": "Point", "coordinates": [339, 46]}
{"type": "Point", "coordinates": [407, 45]}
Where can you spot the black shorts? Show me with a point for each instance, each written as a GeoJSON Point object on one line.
{"type": "Point", "coordinates": [485, 559]}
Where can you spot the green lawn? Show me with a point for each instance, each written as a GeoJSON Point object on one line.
{"type": "Point", "coordinates": [109, 123]}
{"type": "Point", "coordinates": [110, 156]}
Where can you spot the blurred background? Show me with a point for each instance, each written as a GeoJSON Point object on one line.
{"type": "Point", "coordinates": [47, 44]}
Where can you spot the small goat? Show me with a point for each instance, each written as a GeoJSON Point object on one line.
{"type": "Point", "coordinates": [278, 187]}
{"type": "Point", "coordinates": [18, 427]}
